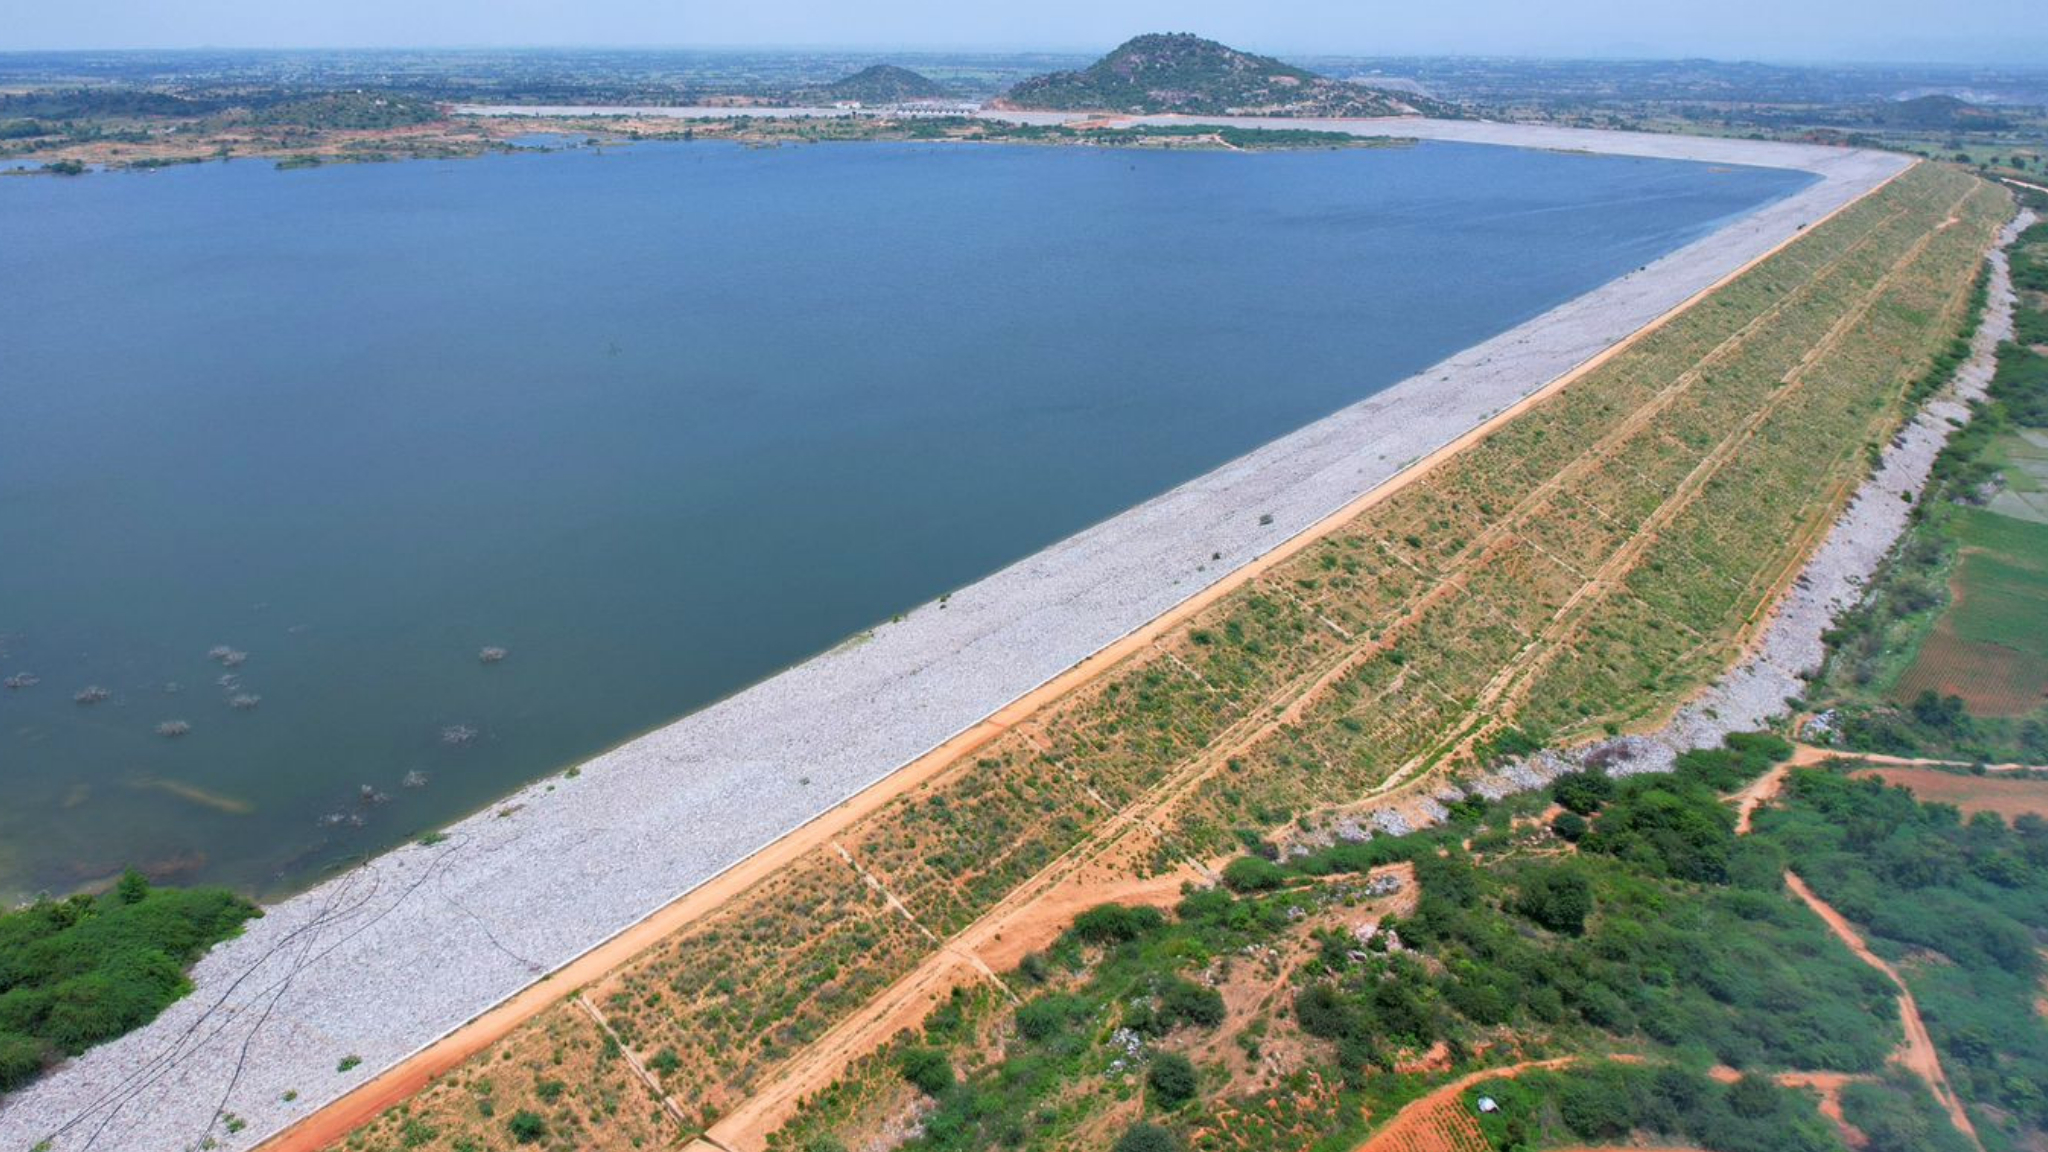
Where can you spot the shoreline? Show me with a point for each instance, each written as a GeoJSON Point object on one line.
{"type": "Point", "coordinates": [337, 971]}
{"type": "Point", "coordinates": [1501, 133]}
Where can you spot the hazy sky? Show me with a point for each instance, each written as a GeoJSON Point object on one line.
{"type": "Point", "coordinates": [2004, 30]}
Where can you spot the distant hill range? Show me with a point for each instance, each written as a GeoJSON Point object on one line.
{"type": "Point", "coordinates": [1944, 113]}
{"type": "Point", "coordinates": [881, 84]}
{"type": "Point", "coordinates": [1179, 72]}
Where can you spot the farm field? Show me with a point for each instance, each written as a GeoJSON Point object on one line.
{"type": "Point", "coordinates": [2022, 459]}
{"type": "Point", "coordinates": [1990, 648]}
{"type": "Point", "coordinates": [2007, 796]}
{"type": "Point", "coordinates": [1577, 573]}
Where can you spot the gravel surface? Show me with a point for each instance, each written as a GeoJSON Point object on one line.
{"type": "Point", "coordinates": [380, 962]}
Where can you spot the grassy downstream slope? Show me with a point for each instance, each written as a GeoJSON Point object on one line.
{"type": "Point", "coordinates": [1580, 570]}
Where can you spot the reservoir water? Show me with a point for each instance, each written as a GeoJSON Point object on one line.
{"type": "Point", "coordinates": [282, 453]}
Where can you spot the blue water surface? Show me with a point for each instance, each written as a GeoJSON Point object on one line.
{"type": "Point", "coordinates": [657, 420]}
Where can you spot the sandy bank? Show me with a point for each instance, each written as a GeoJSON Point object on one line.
{"type": "Point", "coordinates": [382, 961]}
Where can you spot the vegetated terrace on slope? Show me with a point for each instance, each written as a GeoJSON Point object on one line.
{"type": "Point", "coordinates": [1582, 569]}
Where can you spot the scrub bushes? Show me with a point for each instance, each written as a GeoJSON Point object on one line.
{"type": "Point", "coordinates": [1923, 882]}
{"type": "Point", "coordinates": [1606, 1102]}
{"type": "Point", "coordinates": [78, 972]}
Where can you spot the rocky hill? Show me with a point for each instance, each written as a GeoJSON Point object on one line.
{"type": "Point", "coordinates": [1939, 113]}
{"type": "Point", "coordinates": [1180, 72]}
{"type": "Point", "coordinates": [881, 84]}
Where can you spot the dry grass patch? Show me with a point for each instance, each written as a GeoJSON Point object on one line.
{"type": "Point", "coordinates": [555, 1085]}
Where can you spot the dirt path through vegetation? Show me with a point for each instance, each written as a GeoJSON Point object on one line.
{"type": "Point", "coordinates": [1438, 1122]}
{"type": "Point", "coordinates": [1918, 1054]}
{"type": "Point", "coordinates": [1829, 1085]}
{"type": "Point", "coordinates": [1631, 1148]}
{"type": "Point", "coordinates": [1758, 793]}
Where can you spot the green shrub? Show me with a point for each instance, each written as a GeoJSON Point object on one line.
{"type": "Point", "coordinates": [1599, 1103]}
{"type": "Point", "coordinates": [1173, 1079]}
{"type": "Point", "coordinates": [1582, 792]}
{"type": "Point", "coordinates": [1560, 899]}
{"type": "Point", "coordinates": [1759, 750]}
{"type": "Point", "coordinates": [1510, 743]}
{"type": "Point", "coordinates": [1047, 1016]}
{"type": "Point", "coordinates": [1186, 1002]}
{"type": "Point", "coordinates": [1569, 826]}
{"type": "Point", "coordinates": [21, 1057]}
{"type": "Point", "coordinates": [1253, 874]}
{"type": "Point", "coordinates": [1669, 826]}
{"type": "Point", "coordinates": [927, 1068]}
{"type": "Point", "coordinates": [1148, 1138]}
{"type": "Point", "coordinates": [81, 971]}
{"type": "Point", "coordinates": [1035, 967]}
{"type": "Point", "coordinates": [1322, 1011]}
{"type": "Point", "coordinates": [1117, 923]}
{"type": "Point", "coordinates": [527, 1126]}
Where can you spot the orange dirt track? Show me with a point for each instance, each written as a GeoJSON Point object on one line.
{"type": "Point", "coordinates": [1918, 1055]}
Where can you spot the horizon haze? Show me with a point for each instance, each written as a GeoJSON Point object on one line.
{"type": "Point", "coordinates": [1887, 31]}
